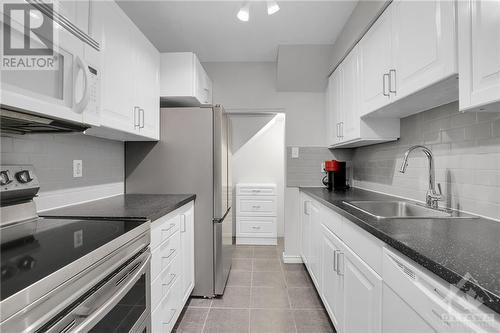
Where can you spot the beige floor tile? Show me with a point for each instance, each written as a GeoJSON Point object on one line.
{"type": "Point", "coordinates": [294, 267]}
{"type": "Point", "coordinates": [227, 321]}
{"type": "Point", "coordinates": [271, 321]}
{"type": "Point", "coordinates": [239, 279]}
{"type": "Point", "coordinates": [269, 297]}
{"type": "Point", "coordinates": [242, 264]}
{"type": "Point", "coordinates": [199, 302]}
{"type": "Point", "coordinates": [298, 279]}
{"type": "Point", "coordinates": [268, 279]}
{"type": "Point", "coordinates": [243, 251]}
{"type": "Point", "coordinates": [234, 297]}
{"type": "Point", "coordinates": [266, 265]}
{"type": "Point", "coordinates": [312, 321]}
{"type": "Point", "coordinates": [265, 252]}
{"type": "Point", "coordinates": [304, 298]}
{"type": "Point", "coordinates": [191, 320]}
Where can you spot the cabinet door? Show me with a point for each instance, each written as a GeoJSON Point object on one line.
{"type": "Point", "coordinates": [375, 63]}
{"type": "Point", "coordinates": [332, 287]}
{"type": "Point", "coordinates": [363, 294]}
{"type": "Point", "coordinates": [423, 44]}
{"type": "Point", "coordinates": [335, 105]}
{"type": "Point", "coordinates": [479, 53]}
{"type": "Point", "coordinates": [305, 223]}
{"type": "Point", "coordinates": [147, 86]}
{"type": "Point", "coordinates": [315, 245]}
{"type": "Point", "coordinates": [203, 84]}
{"type": "Point", "coordinates": [187, 253]}
{"type": "Point", "coordinates": [350, 123]}
{"type": "Point", "coordinates": [77, 11]}
{"type": "Point", "coordinates": [117, 55]}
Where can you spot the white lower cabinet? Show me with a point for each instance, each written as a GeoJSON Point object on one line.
{"type": "Point", "coordinates": [172, 266]}
{"type": "Point", "coordinates": [368, 288]}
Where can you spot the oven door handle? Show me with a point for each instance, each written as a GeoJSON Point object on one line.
{"type": "Point", "coordinates": [93, 318]}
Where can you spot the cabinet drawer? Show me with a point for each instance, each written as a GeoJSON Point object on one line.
{"type": "Point", "coordinates": [256, 206]}
{"type": "Point", "coordinates": [164, 281]}
{"type": "Point", "coordinates": [256, 190]}
{"type": "Point", "coordinates": [259, 226]}
{"type": "Point", "coordinates": [164, 316]}
{"type": "Point", "coordinates": [164, 254]}
{"type": "Point", "coordinates": [163, 228]}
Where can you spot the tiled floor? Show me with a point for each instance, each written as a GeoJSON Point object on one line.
{"type": "Point", "coordinates": [263, 295]}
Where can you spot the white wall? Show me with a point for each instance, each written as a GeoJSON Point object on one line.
{"type": "Point", "coordinates": [259, 154]}
{"type": "Point", "coordinates": [244, 86]}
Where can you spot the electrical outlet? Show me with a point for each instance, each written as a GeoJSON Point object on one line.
{"type": "Point", "coordinates": [322, 166]}
{"type": "Point", "coordinates": [77, 168]}
{"type": "Point", "coordinates": [295, 152]}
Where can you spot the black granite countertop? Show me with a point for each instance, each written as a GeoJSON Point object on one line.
{"type": "Point", "coordinates": [450, 248]}
{"type": "Point", "coordinates": [125, 206]}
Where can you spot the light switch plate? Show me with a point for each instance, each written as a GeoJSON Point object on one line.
{"type": "Point", "coordinates": [77, 168]}
{"type": "Point", "coordinates": [295, 152]}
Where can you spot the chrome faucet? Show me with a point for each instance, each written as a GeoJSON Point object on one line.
{"type": "Point", "coordinates": [432, 198]}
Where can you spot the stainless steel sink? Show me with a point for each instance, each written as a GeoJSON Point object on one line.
{"type": "Point", "coordinates": [403, 209]}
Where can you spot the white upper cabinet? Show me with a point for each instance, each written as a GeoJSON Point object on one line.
{"type": "Point", "coordinates": [408, 59]}
{"type": "Point", "coordinates": [343, 113]}
{"type": "Point", "coordinates": [184, 81]}
{"type": "Point", "coordinates": [423, 45]}
{"type": "Point", "coordinates": [375, 61]}
{"type": "Point", "coordinates": [479, 55]}
{"type": "Point", "coordinates": [130, 77]}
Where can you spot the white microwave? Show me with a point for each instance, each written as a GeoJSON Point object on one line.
{"type": "Point", "coordinates": [67, 91]}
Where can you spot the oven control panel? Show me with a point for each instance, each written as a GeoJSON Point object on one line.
{"type": "Point", "coordinates": [18, 181]}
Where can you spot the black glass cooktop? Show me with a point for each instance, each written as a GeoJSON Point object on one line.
{"type": "Point", "coordinates": [35, 249]}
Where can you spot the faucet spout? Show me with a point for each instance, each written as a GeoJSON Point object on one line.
{"type": "Point", "coordinates": [432, 197]}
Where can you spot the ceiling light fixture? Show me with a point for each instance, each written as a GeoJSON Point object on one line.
{"type": "Point", "coordinates": [244, 12]}
{"type": "Point", "coordinates": [272, 7]}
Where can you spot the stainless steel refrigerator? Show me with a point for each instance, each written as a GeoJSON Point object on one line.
{"type": "Point", "coordinates": [192, 156]}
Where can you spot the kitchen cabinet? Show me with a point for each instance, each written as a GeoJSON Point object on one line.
{"type": "Point", "coordinates": [408, 59]}
{"type": "Point", "coordinates": [479, 55]}
{"type": "Point", "coordinates": [184, 81]}
{"type": "Point", "coordinates": [362, 289]}
{"type": "Point", "coordinates": [332, 281]}
{"type": "Point", "coordinates": [172, 266]}
{"type": "Point", "coordinates": [187, 250]}
{"type": "Point", "coordinates": [315, 244]}
{"type": "Point", "coordinates": [349, 129]}
{"type": "Point", "coordinates": [305, 229]}
{"type": "Point", "coordinates": [130, 77]}
{"type": "Point", "coordinates": [77, 11]}
{"type": "Point", "coordinates": [256, 214]}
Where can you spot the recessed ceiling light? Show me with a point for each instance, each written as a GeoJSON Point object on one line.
{"type": "Point", "coordinates": [244, 12]}
{"type": "Point", "coordinates": [272, 7]}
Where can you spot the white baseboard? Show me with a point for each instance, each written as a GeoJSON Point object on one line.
{"type": "Point", "coordinates": [288, 259]}
{"type": "Point", "coordinates": [71, 196]}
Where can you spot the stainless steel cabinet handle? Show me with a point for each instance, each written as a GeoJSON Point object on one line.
{"type": "Point", "coordinates": [342, 129]}
{"type": "Point", "coordinates": [335, 260]}
{"type": "Point", "coordinates": [256, 228]}
{"type": "Point", "coordinates": [172, 278]}
{"type": "Point", "coordinates": [172, 251]}
{"type": "Point", "coordinates": [390, 81]}
{"type": "Point", "coordinates": [183, 223]}
{"type": "Point", "coordinates": [141, 122]}
{"type": "Point", "coordinates": [171, 317]}
{"type": "Point", "coordinates": [136, 116]}
{"type": "Point", "coordinates": [255, 207]}
{"type": "Point", "coordinates": [386, 75]}
{"type": "Point", "coordinates": [340, 263]}
{"type": "Point", "coordinates": [338, 130]}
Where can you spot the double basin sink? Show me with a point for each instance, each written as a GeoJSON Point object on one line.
{"type": "Point", "coordinates": [404, 210]}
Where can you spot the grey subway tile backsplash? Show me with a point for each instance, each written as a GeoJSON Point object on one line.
{"type": "Point", "coordinates": [306, 169]}
{"type": "Point", "coordinates": [467, 159]}
{"type": "Point", "coordinates": [52, 156]}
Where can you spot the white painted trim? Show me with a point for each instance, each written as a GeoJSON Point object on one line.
{"type": "Point", "coordinates": [67, 197]}
{"type": "Point", "coordinates": [289, 259]}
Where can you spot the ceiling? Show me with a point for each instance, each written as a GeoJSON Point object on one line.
{"type": "Point", "coordinates": [212, 31]}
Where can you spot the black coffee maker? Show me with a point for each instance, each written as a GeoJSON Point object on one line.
{"type": "Point", "coordinates": [336, 176]}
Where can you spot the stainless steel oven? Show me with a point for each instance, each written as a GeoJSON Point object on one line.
{"type": "Point", "coordinates": [118, 303]}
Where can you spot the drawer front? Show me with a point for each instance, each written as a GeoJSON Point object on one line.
{"type": "Point", "coordinates": [161, 286]}
{"type": "Point", "coordinates": [252, 206]}
{"type": "Point", "coordinates": [257, 227]}
{"type": "Point", "coordinates": [256, 190]}
{"type": "Point", "coordinates": [164, 254]}
{"type": "Point", "coordinates": [164, 316]}
{"type": "Point", "coordinates": [163, 228]}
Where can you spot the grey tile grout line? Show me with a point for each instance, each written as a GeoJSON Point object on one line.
{"type": "Point", "coordinates": [282, 265]}
{"type": "Point", "coordinates": [206, 318]}
{"type": "Point", "coordinates": [250, 300]}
